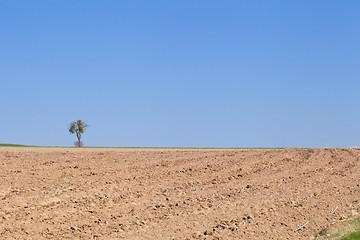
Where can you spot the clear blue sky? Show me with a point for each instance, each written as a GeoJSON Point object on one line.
{"type": "Point", "coordinates": [181, 73]}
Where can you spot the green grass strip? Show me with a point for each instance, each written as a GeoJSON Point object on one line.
{"type": "Point", "coordinates": [14, 145]}
{"type": "Point", "coordinates": [352, 236]}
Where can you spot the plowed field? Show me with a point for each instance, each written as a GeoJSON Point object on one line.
{"type": "Point", "coordinates": [94, 193]}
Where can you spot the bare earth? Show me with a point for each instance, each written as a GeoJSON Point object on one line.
{"type": "Point", "coordinates": [68, 193]}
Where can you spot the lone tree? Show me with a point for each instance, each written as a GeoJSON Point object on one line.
{"type": "Point", "coordinates": [78, 128]}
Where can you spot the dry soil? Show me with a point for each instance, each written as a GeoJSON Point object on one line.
{"type": "Point", "coordinates": [88, 193]}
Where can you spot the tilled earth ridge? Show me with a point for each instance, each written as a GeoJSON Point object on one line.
{"type": "Point", "coordinates": [69, 193]}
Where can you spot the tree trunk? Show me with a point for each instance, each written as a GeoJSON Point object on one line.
{"type": "Point", "coordinates": [79, 138]}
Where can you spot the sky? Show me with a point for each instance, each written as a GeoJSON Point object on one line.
{"type": "Point", "coordinates": [181, 73]}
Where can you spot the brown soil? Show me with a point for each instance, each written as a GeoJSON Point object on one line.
{"type": "Point", "coordinates": [67, 193]}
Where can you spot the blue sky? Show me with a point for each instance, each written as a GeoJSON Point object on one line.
{"type": "Point", "coordinates": [183, 73]}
